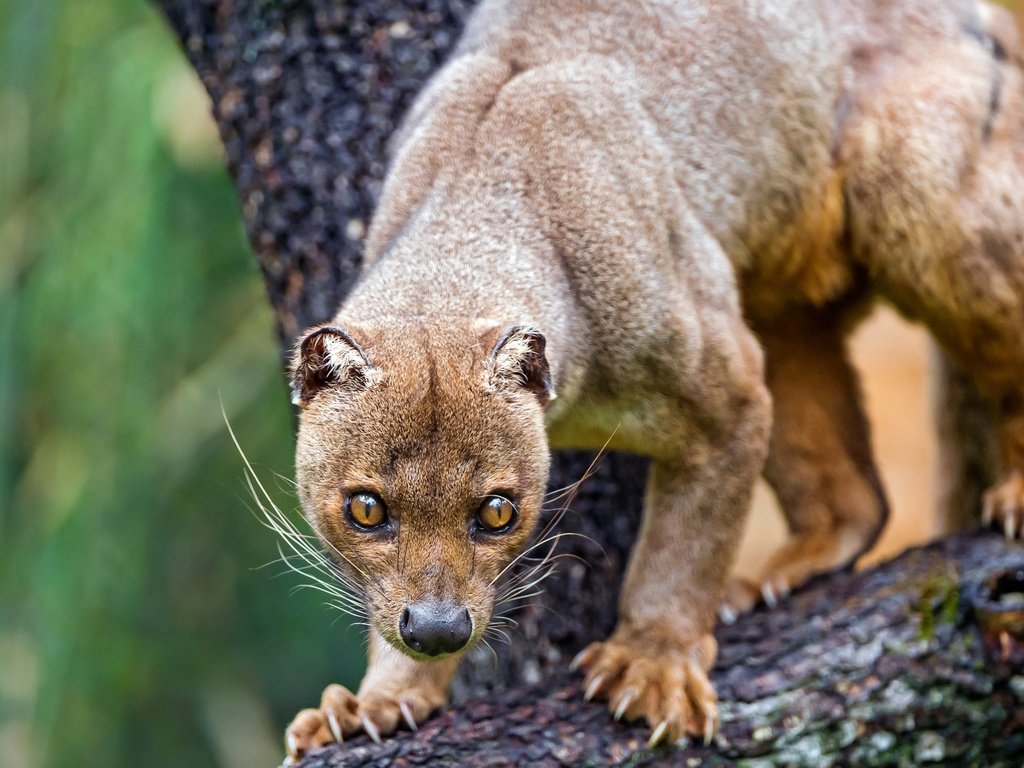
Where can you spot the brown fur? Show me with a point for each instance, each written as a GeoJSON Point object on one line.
{"type": "Point", "coordinates": [576, 204]}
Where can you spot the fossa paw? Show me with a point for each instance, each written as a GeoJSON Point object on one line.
{"type": "Point", "coordinates": [662, 682]}
{"type": "Point", "coordinates": [342, 715]}
{"type": "Point", "coordinates": [798, 560]}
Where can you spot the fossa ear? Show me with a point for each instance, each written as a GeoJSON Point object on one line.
{"type": "Point", "coordinates": [327, 357]}
{"type": "Point", "coordinates": [518, 361]}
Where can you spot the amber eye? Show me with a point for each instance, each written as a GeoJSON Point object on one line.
{"type": "Point", "coordinates": [366, 510]}
{"type": "Point", "coordinates": [496, 515]}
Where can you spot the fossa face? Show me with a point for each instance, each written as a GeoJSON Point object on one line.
{"type": "Point", "coordinates": [421, 463]}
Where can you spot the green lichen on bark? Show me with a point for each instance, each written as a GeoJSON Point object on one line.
{"type": "Point", "coordinates": [940, 602]}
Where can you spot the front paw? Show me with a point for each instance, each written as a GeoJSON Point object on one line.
{"type": "Point", "coordinates": [342, 714]}
{"type": "Point", "coordinates": [657, 678]}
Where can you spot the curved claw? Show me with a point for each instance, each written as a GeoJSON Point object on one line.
{"type": "Point", "coordinates": [624, 702]}
{"type": "Point", "coordinates": [769, 595]}
{"type": "Point", "coordinates": [709, 730]}
{"type": "Point", "coordinates": [371, 729]}
{"type": "Point", "coordinates": [581, 658]}
{"type": "Point", "coordinates": [407, 715]}
{"type": "Point", "coordinates": [1009, 525]}
{"type": "Point", "coordinates": [988, 510]}
{"type": "Point", "coordinates": [335, 726]}
{"type": "Point", "coordinates": [658, 734]}
{"type": "Point", "coordinates": [293, 745]}
{"type": "Point", "coordinates": [593, 688]}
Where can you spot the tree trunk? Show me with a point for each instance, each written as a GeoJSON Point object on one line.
{"type": "Point", "coordinates": [306, 93]}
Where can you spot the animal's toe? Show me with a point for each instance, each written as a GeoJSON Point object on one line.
{"type": "Point", "coordinates": [741, 596]}
{"type": "Point", "coordinates": [342, 714]}
{"type": "Point", "coordinates": [1003, 506]}
{"type": "Point", "coordinates": [380, 716]}
{"type": "Point", "coordinates": [307, 731]}
{"type": "Point", "coordinates": [338, 706]}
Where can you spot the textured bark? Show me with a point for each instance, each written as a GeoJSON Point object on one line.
{"type": "Point", "coordinates": [887, 666]}
{"type": "Point", "coordinates": [901, 665]}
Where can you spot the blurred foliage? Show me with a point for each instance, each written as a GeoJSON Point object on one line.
{"type": "Point", "coordinates": [135, 627]}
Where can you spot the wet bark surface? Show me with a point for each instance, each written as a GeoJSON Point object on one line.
{"type": "Point", "coordinates": [887, 667]}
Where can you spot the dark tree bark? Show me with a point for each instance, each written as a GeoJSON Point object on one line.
{"type": "Point", "coordinates": [306, 93]}
{"type": "Point", "coordinates": [901, 665]}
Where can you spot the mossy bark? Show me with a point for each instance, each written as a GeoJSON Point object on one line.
{"type": "Point", "coordinates": [886, 668]}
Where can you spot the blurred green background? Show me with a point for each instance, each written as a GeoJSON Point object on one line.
{"type": "Point", "coordinates": [135, 626]}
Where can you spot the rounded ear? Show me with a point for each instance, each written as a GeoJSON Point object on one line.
{"type": "Point", "coordinates": [326, 356]}
{"type": "Point", "coordinates": [518, 361]}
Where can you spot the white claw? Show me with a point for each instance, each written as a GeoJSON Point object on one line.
{"type": "Point", "coordinates": [988, 512]}
{"type": "Point", "coordinates": [577, 660]}
{"type": "Point", "coordinates": [727, 614]}
{"type": "Point", "coordinates": [293, 744]}
{"type": "Point", "coordinates": [407, 715]}
{"type": "Point", "coordinates": [1009, 525]}
{"type": "Point", "coordinates": [593, 688]}
{"type": "Point", "coordinates": [709, 731]}
{"type": "Point", "coordinates": [659, 734]}
{"type": "Point", "coordinates": [624, 702]}
{"type": "Point", "coordinates": [769, 595]}
{"type": "Point", "coordinates": [371, 729]}
{"type": "Point", "coordinates": [335, 726]}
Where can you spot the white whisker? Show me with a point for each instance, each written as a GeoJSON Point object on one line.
{"type": "Point", "coordinates": [500, 633]}
{"type": "Point", "coordinates": [483, 639]}
{"type": "Point", "coordinates": [305, 556]}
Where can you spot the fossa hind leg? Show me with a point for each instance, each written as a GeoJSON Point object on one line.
{"type": "Point", "coordinates": [820, 463]}
{"type": "Point", "coordinates": [935, 182]}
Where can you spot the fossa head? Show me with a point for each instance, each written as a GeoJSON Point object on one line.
{"type": "Point", "coordinates": [421, 462]}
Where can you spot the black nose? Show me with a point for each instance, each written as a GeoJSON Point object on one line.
{"type": "Point", "coordinates": [434, 628]}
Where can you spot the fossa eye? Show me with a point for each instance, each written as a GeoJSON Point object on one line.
{"type": "Point", "coordinates": [366, 510]}
{"type": "Point", "coordinates": [496, 515]}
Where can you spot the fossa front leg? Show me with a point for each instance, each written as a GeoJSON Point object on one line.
{"type": "Point", "coordinates": [655, 665]}
{"type": "Point", "coordinates": [396, 691]}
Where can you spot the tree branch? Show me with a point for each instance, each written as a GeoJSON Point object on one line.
{"type": "Point", "coordinates": [900, 665]}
